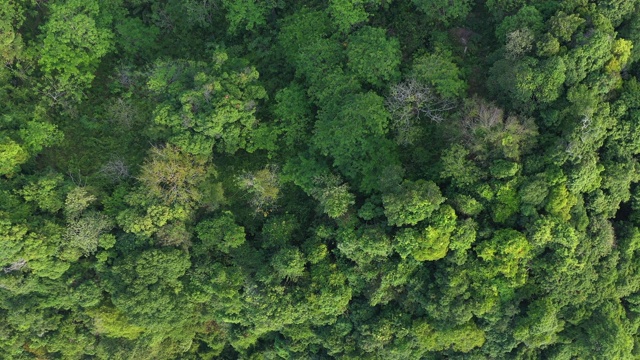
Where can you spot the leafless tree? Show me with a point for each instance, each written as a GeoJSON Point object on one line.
{"type": "Point", "coordinates": [125, 77]}
{"type": "Point", "coordinates": [485, 125]}
{"type": "Point", "coordinates": [17, 265]}
{"type": "Point", "coordinates": [519, 42]}
{"type": "Point", "coordinates": [77, 179]}
{"type": "Point", "coordinates": [115, 170]}
{"type": "Point", "coordinates": [84, 232]}
{"type": "Point", "coordinates": [201, 11]}
{"type": "Point", "coordinates": [410, 101]}
{"type": "Point", "coordinates": [481, 115]}
{"type": "Point", "coordinates": [122, 113]}
{"type": "Point", "coordinates": [263, 185]}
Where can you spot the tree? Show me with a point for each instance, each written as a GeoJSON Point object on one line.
{"type": "Point", "coordinates": [247, 13]}
{"type": "Point", "coordinates": [333, 195]}
{"type": "Point", "coordinates": [293, 115]}
{"type": "Point", "coordinates": [560, 202]}
{"type": "Point", "coordinates": [461, 338]}
{"type": "Point", "coordinates": [439, 70]}
{"type": "Point", "coordinates": [356, 199]}
{"type": "Point", "coordinates": [353, 135]}
{"type": "Point", "coordinates": [412, 203]}
{"type": "Point", "coordinates": [506, 254]}
{"type": "Point", "coordinates": [348, 13]}
{"type": "Point", "coordinates": [528, 17]}
{"type": "Point", "coordinates": [173, 176]}
{"type": "Point", "coordinates": [519, 43]}
{"type": "Point", "coordinates": [289, 264]}
{"type": "Point", "coordinates": [135, 39]}
{"type": "Point", "coordinates": [220, 233]}
{"type": "Point", "coordinates": [146, 287]}
{"type": "Point", "coordinates": [364, 245]}
{"type": "Point", "coordinates": [11, 44]}
{"type": "Point", "coordinates": [432, 243]}
{"type": "Point", "coordinates": [73, 44]}
{"type": "Point", "coordinates": [529, 79]}
{"type": "Point", "coordinates": [458, 168]}
{"type": "Point", "coordinates": [205, 105]}
{"type": "Point", "coordinates": [605, 333]}
{"type": "Point", "coordinates": [541, 326]}
{"type": "Point", "coordinates": [590, 57]}
{"type": "Point", "coordinates": [372, 57]}
{"type": "Point", "coordinates": [564, 25]}
{"type": "Point", "coordinates": [12, 155]}
{"type": "Point", "coordinates": [84, 234]}
{"type": "Point", "coordinates": [446, 14]}
{"type": "Point", "coordinates": [301, 33]}
{"type": "Point", "coordinates": [487, 133]}
{"type": "Point", "coordinates": [263, 185]}
{"type": "Point", "coordinates": [616, 10]}
{"type": "Point", "coordinates": [500, 7]}
{"type": "Point", "coordinates": [409, 102]}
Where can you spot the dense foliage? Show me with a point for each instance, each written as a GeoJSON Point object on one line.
{"type": "Point", "coordinates": [353, 179]}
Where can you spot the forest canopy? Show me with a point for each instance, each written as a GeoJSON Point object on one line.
{"type": "Point", "coordinates": [349, 179]}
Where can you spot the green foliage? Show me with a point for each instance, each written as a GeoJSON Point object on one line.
{"type": "Point", "coordinates": [444, 13]}
{"type": "Point", "coordinates": [529, 80]}
{"type": "Point", "coordinates": [559, 202]}
{"type": "Point", "coordinates": [504, 169]}
{"type": "Point", "coordinates": [489, 134]}
{"type": "Point", "coordinates": [153, 274]}
{"type": "Point", "coordinates": [12, 155]}
{"type": "Point", "coordinates": [432, 243]}
{"type": "Point", "coordinates": [84, 234]}
{"type": "Point", "coordinates": [439, 70]}
{"type": "Point", "coordinates": [467, 205]}
{"type": "Point", "coordinates": [112, 323]}
{"type": "Point", "coordinates": [463, 338]}
{"type": "Point", "coordinates": [334, 196]}
{"type": "Point", "coordinates": [247, 13]}
{"type": "Point", "coordinates": [11, 17]}
{"type": "Point", "coordinates": [135, 38]}
{"type": "Point", "coordinates": [506, 253]}
{"type": "Point", "coordinates": [401, 180]}
{"type": "Point", "coordinates": [205, 104]}
{"type": "Point", "coordinates": [289, 263]}
{"type": "Point", "coordinates": [220, 233]}
{"type": "Point", "coordinates": [354, 136]}
{"type": "Point", "coordinates": [412, 203]}
{"type": "Point", "coordinates": [12, 238]}
{"type": "Point", "coordinates": [37, 135]}
{"type": "Point", "coordinates": [564, 25]}
{"type": "Point", "coordinates": [347, 13]}
{"type": "Point", "coordinates": [73, 44]}
{"type": "Point", "coordinates": [372, 57]}
{"type": "Point", "coordinates": [528, 17]}
{"type": "Point", "coordinates": [293, 114]}
{"type": "Point", "coordinates": [172, 176]}
{"type": "Point", "coordinates": [148, 221]}
{"type": "Point", "coordinates": [263, 185]}
{"type": "Point", "coordinates": [364, 245]}
{"type": "Point", "coordinates": [456, 166]}
{"type": "Point", "coordinates": [46, 192]}
{"type": "Point", "coordinates": [540, 326]}
{"type": "Point", "coordinates": [588, 58]}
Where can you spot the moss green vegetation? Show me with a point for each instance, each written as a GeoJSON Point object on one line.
{"type": "Point", "coordinates": [349, 179]}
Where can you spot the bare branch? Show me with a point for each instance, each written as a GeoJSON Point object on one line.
{"type": "Point", "coordinates": [116, 170]}
{"type": "Point", "coordinates": [15, 266]}
{"type": "Point", "coordinates": [411, 101]}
